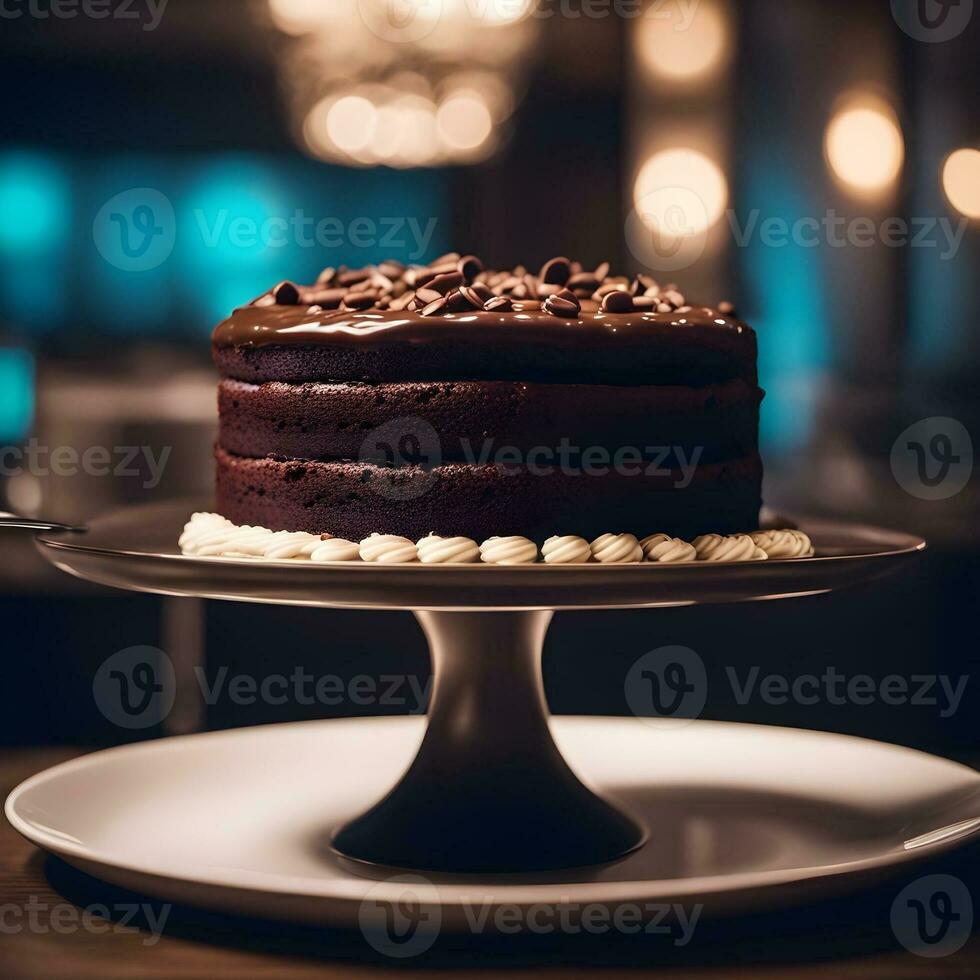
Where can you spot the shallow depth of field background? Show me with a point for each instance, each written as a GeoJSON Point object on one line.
{"type": "Point", "coordinates": [515, 130]}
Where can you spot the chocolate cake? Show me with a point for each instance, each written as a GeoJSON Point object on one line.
{"type": "Point", "coordinates": [455, 400]}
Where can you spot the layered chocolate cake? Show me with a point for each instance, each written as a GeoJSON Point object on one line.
{"type": "Point", "coordinates": [456, 400]}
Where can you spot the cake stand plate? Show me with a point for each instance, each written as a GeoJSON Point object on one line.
{"type": "Point", "coordinates": [740, 817]}
{"type": "Point", "coordinates": [488, 790]}
{"type": "Point", "coordinates": [136, 548]}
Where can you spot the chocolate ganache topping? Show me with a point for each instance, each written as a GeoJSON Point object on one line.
{"type": "Point", "coordinates": [456, 319]}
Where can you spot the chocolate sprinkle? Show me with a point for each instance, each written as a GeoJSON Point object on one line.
{"type": "Point", "coordinates": [469, 267]}
{"type": "Point", "coordinates": [329, 299]}
{"type": "Point", "coordinates": [351, 277]}
{"type": "Point", "coordinates": [472, 297]}
{"type": "Point", "coordinates": [456, 283]}
{"type": "Point", "coordinates": [402, 302]}
{"type": "Point", "coordinates": [584, 280]}
{"type": "Point", "coordinates": [617, 302]}
{"type": "Point", "coordinates": [360, 301]}
{"type": "Point", "coordinates": [458, 303]}
{"type": "Point", "coordinates": [441, 305]}
{"type": "Point", "coordinates": [556, 271]}
{"type": "Point", "coordinates": [446, 281]}
{"type": "Point", "coordinates": [286, 293]}
{"type": "Point", "coordinates": [564, 304]}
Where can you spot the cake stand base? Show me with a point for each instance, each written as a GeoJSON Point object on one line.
{"type": "Point", "coordinates": [514, 803]}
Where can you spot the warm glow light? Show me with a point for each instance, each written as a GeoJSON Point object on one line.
{"type": "Point", "coordinates": [497, 12]}
{"type": "Point", "coordinates": [464, 121]}
{"type": "Point", "coordinates": [419, 145]}
{"type": "Point", "coordinates": [377, 125]}
{"type": "Point", "coordinates": [351, 122]}
{"type": "Point", "coordinates": [431, 10]}
{"type": "Point", "coordinates": [864, 145]}
{"type": "Point", "coordinates": [502, 11]}
{"type": "Point", "coordinates": [961, 181]}
{"type": "Point", "coordinates": [670, 48]}
{"type": "Point", "coordinates": [387, 134]}
{"type": "Point", "coordinates": [315, 129]}
{"type": "Point", "coordinates": [403, 83]}
{"type": "Point", "coordinates": [490, 86]}
{"type": "Point", "coordinates": [679, 193]}
{"type": "Point", "coordinates": [297, 16]}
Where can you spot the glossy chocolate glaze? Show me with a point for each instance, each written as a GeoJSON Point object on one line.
{"type": "Point", "coordinates": [696, 346]}
{"type": "Point", "coordinates": [528, 323]}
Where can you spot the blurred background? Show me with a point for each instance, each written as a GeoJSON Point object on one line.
{"type": "Point", "coordinates": [817, 164]}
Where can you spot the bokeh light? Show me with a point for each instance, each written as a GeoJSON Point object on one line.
{"type": "Point", "coordinates": [864, 145]}
{"type": "Point", "coordinates": [670, 49]}
{"type": "Point", "coordinates": [961, 181]}
{"type": "Point", "coordinates": [680, 192]}
{"type": "Point", "coordinates": [378, 124]}
{"type": "Point", "coordinates": [351, 122]}
{"type": "Point", "coordinates": [502, 12]}
{"type": "Point", "coordinates": [16, 393]}
{"type": "Point", "coordinates": [298, 16]}
{"type": "Point", "coordinates": [35, 203]}
{"type": "Point", "coordinates": [464, 121]}
{"type": "Point", "coordinates": [403, 83]}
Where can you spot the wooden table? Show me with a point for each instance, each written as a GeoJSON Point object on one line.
{"type": "Point", "coordinates": [51, 927]}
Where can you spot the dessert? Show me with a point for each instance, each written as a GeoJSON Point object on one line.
{"type": "Point", "coordinates": [452, 400]}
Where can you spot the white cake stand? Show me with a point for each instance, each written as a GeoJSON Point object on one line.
{"type": "Point", "coordinates": [311, 820]}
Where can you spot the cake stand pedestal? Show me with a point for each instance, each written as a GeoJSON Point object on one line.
{"type": "Point", "coordinates": [489, 790]}
{"type": "Point", "coordinates": [486, 789]}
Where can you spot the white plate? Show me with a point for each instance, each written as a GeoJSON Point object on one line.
{"type": "Point", "coordinates": [739, 815]}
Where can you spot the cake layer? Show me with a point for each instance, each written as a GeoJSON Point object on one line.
{"type": "Point", "coordinates": [695, 346]}
{"type": "Point", "coordinates": [352, 500]}
{"type": "Point", "coordinates": [476, 421]}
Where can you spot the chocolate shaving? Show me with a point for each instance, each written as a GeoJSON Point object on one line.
{"type": "Point", "coordinates": [455, 283]}
{"type": "Point", "coordinates": [617, 301]}
{"type": "Point", "coordinates": [556, 271]}
{"type": "Point", "coordinates": [441, 305]}
{"type": "Point", "coordinates": [563, 304]}
{"type": "Point", "coordinates": [286, 293]}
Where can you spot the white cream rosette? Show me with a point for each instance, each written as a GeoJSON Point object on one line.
{"type": "Point", "coordinates": [566, 549]}
{"type": "Point", "coordinates": [512, 550]}
{"type": "Point", "coordinates": [785, 543]}
{"type": "Point", "coordinates": [388, 549]}
{"type": "Point", "coordinates": [436, 550]}
{"type": "Point", "coordinates": [667, 550]}
{"type": "Point", "coordinates": [616, 549]}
